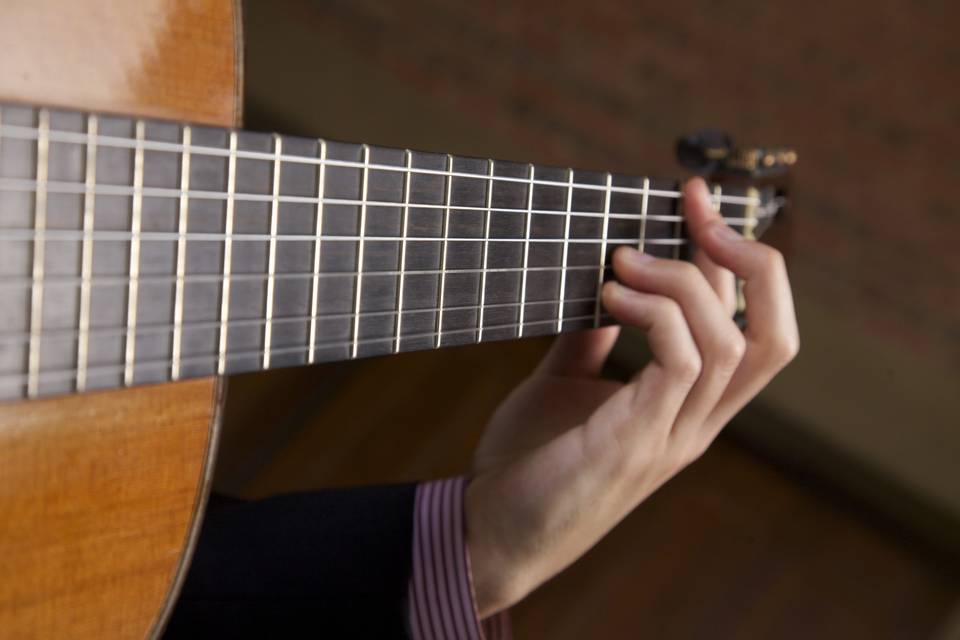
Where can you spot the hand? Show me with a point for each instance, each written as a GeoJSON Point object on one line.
{"type": "Point", "coordinates": [568, 454]}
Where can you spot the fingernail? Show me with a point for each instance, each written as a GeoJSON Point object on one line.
{"type": "Point", "coordinates": [724, 233]}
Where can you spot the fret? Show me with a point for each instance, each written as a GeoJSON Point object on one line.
{"type": "Point", "coordinates": [272, 252]}
{"type": "Point", "coordinates": [262, 289]}
{"type": "Point", "coordinates": [39, 227]}
{"type": "Point", "coordinates": [526, 253]}
{"type": "Point", "coordinates": [182, 227]}
{"type": "Point", "coordinates": [86, 259]}
{"type": "Point", "coordinates": [133, 288]}
{"type": "Point", "coordinates": [603, 252]}
{"type": "Point", "coordinates": [644, 205]}
{"type": "Point", "coordinates": [542, 250]}
{"type": "Point", "coordinates": [365, 182]}
{"type": "Point", "coordinates": [566, 251]}
{"type": "Point", "coordinates": [678, 224]}
{"type": "Point", "coordinates": [443, 250]}
{"type": "Point", "coordinates": [227, 255]}
{"type": "Point", "coordinates": [317, 245]}
{"type": "Point", "coordinates": [486, 249]}
{"type": "Point", "coordinates": [404, 233]}
{"type": "Point", "coordinates": [170, 262]}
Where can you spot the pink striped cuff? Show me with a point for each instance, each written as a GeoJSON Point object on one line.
{"type": "Point", "coordinates": [441, 602]}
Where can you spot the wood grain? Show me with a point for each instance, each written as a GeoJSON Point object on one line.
{"type": "Point", "coordinates": [168, 59]}
{"type": "Point", "coordinates": [99, 493]}
{"type": "Point", "coordinates": [98, 496]}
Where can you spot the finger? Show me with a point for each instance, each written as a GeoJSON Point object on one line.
{"type": "Point", "coordinates": [676, 362]}
{"type": "Point", "coordinates": [723, 282]}
{"type": "Point", "coordinates": [718, 340]}
{"type": "Point", "coordinates": [772, 335]}
{"type": "Point", "coordinates": [579, 354]}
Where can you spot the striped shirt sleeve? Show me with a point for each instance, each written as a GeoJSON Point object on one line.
{"type": "Point", "coordinates": [441, 604]}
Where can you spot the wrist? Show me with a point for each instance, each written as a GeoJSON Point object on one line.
{"type": "Point", "coordinates": [494, 575]}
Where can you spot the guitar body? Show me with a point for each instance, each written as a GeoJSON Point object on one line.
{"type": "Point", "coordinates": [101, 493]}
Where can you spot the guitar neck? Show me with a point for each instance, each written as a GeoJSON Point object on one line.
{"type": "Point", "coordinates": [138, 251]}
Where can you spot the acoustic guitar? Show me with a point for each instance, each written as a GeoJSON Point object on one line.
{"type": "Point", "coordinates": [142, 259]}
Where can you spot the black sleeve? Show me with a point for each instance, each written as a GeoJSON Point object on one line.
{"type": "Point", "coordinates": [325, 564]}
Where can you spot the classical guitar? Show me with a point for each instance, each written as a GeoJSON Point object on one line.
{"type": "Point", "coordinates": [143, 258]}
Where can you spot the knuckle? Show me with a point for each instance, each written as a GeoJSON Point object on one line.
{"type": "Point", "coordinates": [702, 445]}
{"type": "Point", "coordinates": [783, 348]}
{"type": "Point", "coordinates": [789, 347]}
{"type": "Point", "coordinates": [770, 258]}
{"type": "Point", "coordinates": [689, 453]}
{"type": "Point", "coordinates": [693, 452]}
{"type": "Point", "coordinates": [730, 350]}
{"type": "Point", "coordinates": [688, 367]}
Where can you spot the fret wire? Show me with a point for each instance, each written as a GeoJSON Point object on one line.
{"type": "Point", "coordinates": [227, 255]}
{"type": "Point", "coordinates": [603, 251]}
{"type": "Point", "coordinates": [102, 370]}
{"type": "Point", "coordinates": [60, 334]}
{"type": "Point", "coordinates": [21, 132]}
{"type": "Point", "coordinates": [644, 202]}
{"type": "Point", "coordinates": [408, 162]}
{"type": "Point", "coordinates": [133, 291]}
{"type": "Point", "coordinates": [272, 253]}
{"type": "Point", "coordinates": [20, 184]}
{"type": "Point", "coordinates": [566, 246]}
{"type": "Point", "coordinates": [317, 245]}
{"type": "Point", "coordinates": [183, 226]}
{"type": "Point", "coordinates": [526, 252]}
{"type": "Point", "coordinates": [363, 228]}
{"type": "Point", "coordinates": [86, 259]}
{"type": "Point", "coordinates": [443, 250]}
{"type": "Point", "coordinates": [486, 249]}
{"type": "Point", "coordinates": [39, 225]}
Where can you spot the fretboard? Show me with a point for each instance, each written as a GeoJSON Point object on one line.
{"type": "Point", "coordinates": [136, 251]}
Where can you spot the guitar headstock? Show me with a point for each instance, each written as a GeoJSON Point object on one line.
{"type": "Point", "coordinates": [762, 172]}
{"type": "Point", "coordinates": [759, 175]}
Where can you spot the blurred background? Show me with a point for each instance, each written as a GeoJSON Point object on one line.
{"type": "Point", "coordinates": [831, 507]}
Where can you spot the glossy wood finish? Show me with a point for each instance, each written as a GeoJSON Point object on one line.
{"type": "Point", "coordinates": [100, 493]}
{"type": "Point", "coordinates": [176, 59]}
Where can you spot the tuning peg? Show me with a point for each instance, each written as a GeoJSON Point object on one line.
{"type": "Point", "coordinates": [712, 152]}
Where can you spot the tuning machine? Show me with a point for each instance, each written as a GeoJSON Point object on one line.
{"type": "Point", "coordinates": [711, 152]}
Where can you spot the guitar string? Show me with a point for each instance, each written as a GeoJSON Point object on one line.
{"type": "Point", "coordinates": [18, 337]}
{"type": "Point", "coordinates": [31, 133]}
{"type": "Point", "coordinates": [767, 208]}
{"type": "Point", "coordinates": [107, 280]}
{"type": "Point", "coordinates": [70, 235]}
{"type": "Point", "coordinates": [763, 210]}
{"type": "Point", "coordinates": [56, 375]}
